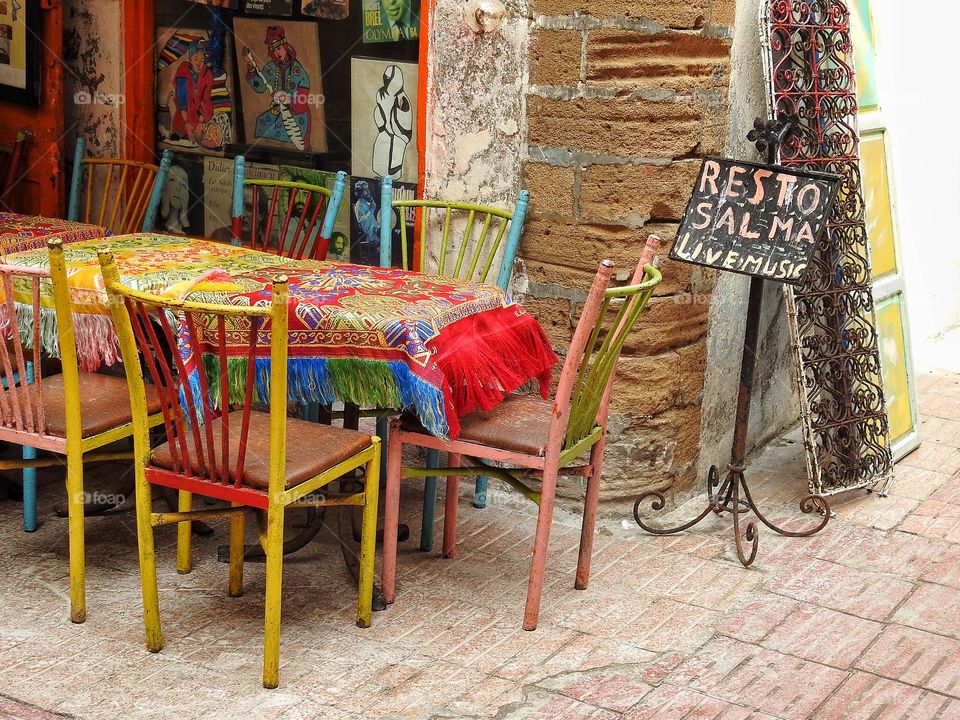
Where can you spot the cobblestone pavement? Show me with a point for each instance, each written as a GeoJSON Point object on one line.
{"type": "Point", "coordinates": [862, 621]}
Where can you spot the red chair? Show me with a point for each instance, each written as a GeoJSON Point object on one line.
{"type": "Point", "coordinates": [538, 439]}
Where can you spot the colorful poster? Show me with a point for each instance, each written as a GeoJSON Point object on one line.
{"type": "Point", "coordinates": [281, 90]}
{"type": "Point", "coordinates": [384, 119]}
{"type": "Point", "coordinates": [340, 240]}
{"type": "Point", "coordinates": [268, 7]}
{"type": "Point", "coordinates": [390, 20]}
{"type": "Point", "coordinates": [365, 222]}
{"type": "Point", "coordinates": [195, 104]}
{"type": "Point", "coordinates": [326, 9]}
{"type": "Point", "coordinates": [181, 205]}
{"type": "Point", "coordinates": [13, 44]}
{"type": "Point", "coordinates": [218, 3]}
{"type": "Point", "coordinates": [217, 197]}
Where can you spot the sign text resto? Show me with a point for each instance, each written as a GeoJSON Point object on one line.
{"type": "Point", "coordinates": [760, 220]}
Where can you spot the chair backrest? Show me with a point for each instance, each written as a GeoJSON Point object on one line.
{"type": "Point", "coordinates": [11, 167]}
{"type": "Point", "coordinates": [464, 252]}
{"type": "Point", "coordinates": [21, 405]}
{"type": "Point", "coordinates": [289, 218]}
{"type": "Point", "coordinates": [609, 316]}
{"type": "Point", "coordinates": [195, 389]}
{"type": "Point", "coordinates": [121, 195]}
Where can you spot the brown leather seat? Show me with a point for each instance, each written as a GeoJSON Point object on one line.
{"type": "Point", "coordinates": [519, 424]}
{"type": "Point", "coordinates": [311, 448]}
{"type": "Point", "coordinates": [104, 403]}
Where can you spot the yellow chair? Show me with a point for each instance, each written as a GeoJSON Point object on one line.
{"type": "Point", "coordinates": [220, 447]}
{"type": "Point", "coordinates": [69, 414]}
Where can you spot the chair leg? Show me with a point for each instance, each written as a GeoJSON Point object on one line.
{"type": "Point", "coordinates": [368, 540]}
{"type": "Point", "coordinates": [148, 562]}
{"type": "Point", "coordinates": [78, 600]}
{"type": "Point", "coordinates": [29, 492]}
{"type": "Point", "coordinates": [450, 508]}
{"type": "Point", "coordinates": [271, 633]}
{"type": "Point", "coordinates": [589, 516]}
{"type": "Point", "coordinates": [237, 527]}
{"type": "Point", "coordinates": [427, 529]}
{"type": "Point", "coordinates": [391, 516]}
{"type": "Point", "coordinates": [383, 425]}
{"type": "Point", "coordinates": [541, 543]}
{"type": "Point", "coordinates": [480, 492]}
{"type": "Point", "coordinates": [184, 561]}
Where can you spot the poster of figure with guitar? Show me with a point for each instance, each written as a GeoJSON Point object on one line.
{"type": "Point", "coordinates": [281, 92]}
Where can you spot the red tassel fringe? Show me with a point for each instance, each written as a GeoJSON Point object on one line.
{"type": "Point", "coordinates": [489, 355]}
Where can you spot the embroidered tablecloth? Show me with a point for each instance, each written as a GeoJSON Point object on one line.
{"type": "Point", "coordinates": [31, 232]}
{"type": "Point", "coordinates": [376, 337]}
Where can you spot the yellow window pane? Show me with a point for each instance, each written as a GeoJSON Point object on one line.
{"type": "Point", "coordinates": [876, 194]}
{"type": "Point", "coordinates": [893, 355]}
{"type": "Point", "coordinates": [864, 53]}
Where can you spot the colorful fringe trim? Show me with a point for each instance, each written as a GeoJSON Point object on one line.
{"type": "Point", "coordinates": [95, 337]}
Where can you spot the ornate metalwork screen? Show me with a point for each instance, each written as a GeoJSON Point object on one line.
{"type": "Point", "coordinates": [808, 56]}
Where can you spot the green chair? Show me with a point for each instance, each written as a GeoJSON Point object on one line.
{"type": "Point", "coordinates": [477, 243]}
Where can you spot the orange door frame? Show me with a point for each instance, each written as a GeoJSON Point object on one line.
{"type": "Point", "coordinates": [42, 188]}
{"type": "Point", "coordinates": [139, 36]}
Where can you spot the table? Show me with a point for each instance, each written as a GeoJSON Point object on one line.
{"type": "Point", "coordinates": [374, 337]}
{"type": "Point", "coordinates": [31, 232]}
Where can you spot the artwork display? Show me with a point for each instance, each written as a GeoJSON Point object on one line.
{"type": "Point", "coordinates": [181, 205]}
{"type": "Point", "coordinates": [217, 3]}
{"type": "Point", "coordinates": [326, 9]}
{"type": "Point", "coordinates": [195, 104]}
{"type": "Point", "coordinates": [390, 20]}
{"type": "Point", "coordinates": [384, 119]}
{"type": "Point", "coordinates": [365, 221]}
{"type": "Point", "coordinates": [340, 239]}
{"type": "Point", "coordinates": [19, 52]}
{"type": "Point", "coordinates": [281, 90]}
{"type": "Point", "coordinates": [268, 7]}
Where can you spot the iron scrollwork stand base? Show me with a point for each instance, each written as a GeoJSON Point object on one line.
{"type": "Point", "coordinates": [734, 497]}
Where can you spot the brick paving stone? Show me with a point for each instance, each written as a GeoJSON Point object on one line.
{"type": "Point", "coordinates": [935, 608]}
{"type": "Point", "coordinates": [868, 697]}
{"type": "Point", "coordinates": [917, 483]}
{"type": "Point", "coordinates": [935, 519]}
{"type": "Point", "coordinates": [934, 456]}
{"type": "Point", "coordinates": [916, 657]}
{"type": "Point", "coordinates": [867, 595]}
{"type": "Point", "coordinates": [941, 430]}
{"type": "Point", "coordinates": [947, 570]}
{"type": "Point", "coordinates": [949, 492]}
{"type": "Point", "coordinates": [823, 636]}
{"type": "Point", "coordinates": [755, 677]}
{"type": "Point", "coordinates": [753, 622]}
{"type": "Point", "coordinates": [614, 687]}
{"type": "Point", "coordinates": [669, 702]}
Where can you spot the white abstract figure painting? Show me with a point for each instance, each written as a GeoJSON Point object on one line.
{"type": "Point", "coordinates": [393, 116]}
{"type": "Point", "coordinates": [384, 119]}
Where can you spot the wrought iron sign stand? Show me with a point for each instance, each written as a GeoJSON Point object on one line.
{"type": "Point", "coordinates": [734, 494]}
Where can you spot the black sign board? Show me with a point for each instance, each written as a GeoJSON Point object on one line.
{"type": "Point", "coordinates": [760, 220]}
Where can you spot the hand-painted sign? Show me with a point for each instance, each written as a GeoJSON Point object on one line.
{"type": "Point", "coordinates": [760, 220]}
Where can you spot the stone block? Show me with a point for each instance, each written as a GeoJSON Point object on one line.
{"type": "Point", "coordinates": [685, 14]}
{"type": "Point", "coordinates": [723, 13]}
{"type": "Point", "coordinates": [668, 323]}
{"type": "Point", "coordinates": [554, 316]}
{"type": "Point", "coordinates": [636, 194]}
{"type": "Point", "coordinates": [646, 385]}
{"type": "Point", "coordinates": [679, 62]}
{"type": "Point", "coordinates": [555, 57]}
{"type": "Point", "coordinates": [617, 127]}
{"type": "Point", "coordinates": [551, 189]}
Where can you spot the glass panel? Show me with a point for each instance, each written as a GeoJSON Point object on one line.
{"type": "Point", "coordinates": [893, 354]}
{"type": "Point", "coordinates": [876, 194]}
{"type": "Point", "coordinates": [864, 53]}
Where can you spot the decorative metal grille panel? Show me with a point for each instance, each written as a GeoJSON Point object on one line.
{"type": "Point", "coordinates": [808, 56]}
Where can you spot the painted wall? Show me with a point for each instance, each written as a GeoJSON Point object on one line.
{"type": "Point", "coordinates": [915, 66]}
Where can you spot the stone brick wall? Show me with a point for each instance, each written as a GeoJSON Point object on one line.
{"type": "Point", "coordinates": [624, 97]}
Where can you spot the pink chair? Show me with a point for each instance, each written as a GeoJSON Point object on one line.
{"type": "Point", "coordinates": [540, 440]}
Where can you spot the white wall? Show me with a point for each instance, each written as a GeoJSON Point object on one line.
{"type": "Point", "coordinates": [917, 56]}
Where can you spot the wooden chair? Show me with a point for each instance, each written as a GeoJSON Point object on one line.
{"type": "Point", "coordinates": [464, 254]}
{"type": "Point", "coordinates": [251, 459]}
{"type": "Point", "coordinates": [69, 414]}
{"type": "Point", "coordinates": [534, 437]}
{"type": "Point", "coordinates": [129, 192]}
{"type": "Point", "coordinates": [291, 209]}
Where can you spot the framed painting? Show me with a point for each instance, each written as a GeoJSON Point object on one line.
{"type": "Point", "coordinates": [281, 88]}
{"type": "Point", "coordinates": [19, 52]}
{"type": "Point", "coordinates": [384, 119]}
{"type": "Point", "coordinates": [195, 101]}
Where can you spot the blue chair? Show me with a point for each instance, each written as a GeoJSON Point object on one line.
{"type": "Point", "coordinates": [129, 191]}
{"type": "Point", "coordinates": [463, 254]}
